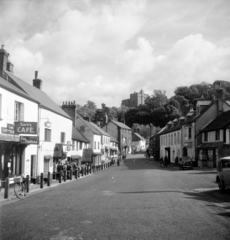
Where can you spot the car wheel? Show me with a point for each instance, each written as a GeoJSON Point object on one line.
{"type": "Point", "coordinates": [221, 185]}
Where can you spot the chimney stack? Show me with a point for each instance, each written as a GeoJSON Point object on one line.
{"type": "Point", "coordinates": [37, 82]}
{"type": "Point", "coordinates": [70, 109]}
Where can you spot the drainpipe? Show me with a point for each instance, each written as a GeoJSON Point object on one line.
{"type": "Point", "coordinates": [38, 147]}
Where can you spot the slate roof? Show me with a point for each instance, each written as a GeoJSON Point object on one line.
{"type": "Point", "coordinates": [121, 125]}
{"type": "Point", "coordinates": [89, 125]}
{"type": "Point", "coordinates": [112, 139]}
{"type": "Point", "coordinates": [76, 135]}
{"type": "Point", "coordinates": [176, 126]}
{"type": "Point", "coordinates": [38, 95]}
{"type": "Point", "coordinates": [100, 130]}
{"type": "Point", "coordinates": [219, 122]}
{"type": "Point", "coordinates": [137, 137]}
{"type": "Point", "coordinates": [12, 88]}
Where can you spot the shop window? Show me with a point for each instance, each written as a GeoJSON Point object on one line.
{"type": "Point", "coordinates": [47, 135]}
{"type": "Point", "coordinates": [217, 133]}
{"type": "Point", "coordinates": [18, 111]}
{"type": "Point", "coordinates": [62, 137]}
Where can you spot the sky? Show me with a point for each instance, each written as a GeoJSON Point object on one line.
{"type": "Point", "coordinates": [104, 50]}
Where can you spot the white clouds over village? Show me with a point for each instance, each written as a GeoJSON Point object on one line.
{"type": "Point", "coordinates": [104, 50]}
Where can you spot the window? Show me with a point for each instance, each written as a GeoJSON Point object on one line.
{"type": "Point", "coordinates": [189, 133]}
{"type": "Point", "coordinates": [18, 111]}
{"type": "Point", "coordinates": [206, 136]}
{"type": "Point", "coordinates": [98, 145]}
{"type": "Point", "coordinates": [80, 145]}
{"type": "Point", "coordinates": [73, 145]}
{"type": "Point", "coordinates": [47, 135]}
{"type": "Point", "coordinates": [77, 145]}
{"type": "Point", "coordinates": [95, 146]}
{"type": "Point", "coordinates": [217, 134]}
{"type": "Point", "coordinates": [62, 137]}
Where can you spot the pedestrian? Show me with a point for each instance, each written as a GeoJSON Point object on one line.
{"type": "Point", "coordinates": [68, 168]}
{"type": "Point", "coordinates": [59, 169]}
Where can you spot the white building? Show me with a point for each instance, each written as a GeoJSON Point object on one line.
{"type": "Point", "coordinates": [54, 126]}
{"type": "Point", "coordinates": [138, 142]}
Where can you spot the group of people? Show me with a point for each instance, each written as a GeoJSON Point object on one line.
{"type": "Point", "coordinates": [68, 165]}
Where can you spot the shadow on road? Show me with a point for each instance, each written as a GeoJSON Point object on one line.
{"type": "Point", "coordinates": [141, 192]}
{"type": "Point", "coordinates": [204, 172]}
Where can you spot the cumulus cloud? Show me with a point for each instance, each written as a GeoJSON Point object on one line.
{"type": "Point", "coordinates": [104, 50]}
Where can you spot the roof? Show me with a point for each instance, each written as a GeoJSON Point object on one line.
{"type": "Point", "coordinates": [89, 125]}
{"type": "Point", "coordinates": [10, 87]}
{"type": "Point", "coordinates": [219, 122]}
{"type": "Point", "coordinates": [210, 145]}
{"type": "Point", "coordinates": [100, 130]}
{"type": "Point", "coordinates": [112, 139]}
{"type": "Point", "coordinates": [78, 136]}
{"type": "Point", "coordinates": [37, 95]}
{"type": "Point", "coordinates": [121, 125]}
{"type": "Point", "coordinates": [173, 128]}
{"type": "Point", "coordinates": [137, 137]}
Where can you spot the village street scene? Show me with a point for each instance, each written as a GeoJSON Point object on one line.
{"type": "Point", "coordinates": [113, 126]}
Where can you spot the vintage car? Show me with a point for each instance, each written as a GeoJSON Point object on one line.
{"type": "Point", "coordinates": [185, 163]}
{"type": "Point", "coordinates": [223, 173]}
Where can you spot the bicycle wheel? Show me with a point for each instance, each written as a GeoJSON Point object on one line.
{"type": "Point", "coordinates": [19, 190]}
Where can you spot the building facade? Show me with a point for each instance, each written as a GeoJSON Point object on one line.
{"type": "Point", "coordinates": [121, 133]}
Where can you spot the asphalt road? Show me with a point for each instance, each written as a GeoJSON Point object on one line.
{"type": "Point", "coordinates": [137, 200]}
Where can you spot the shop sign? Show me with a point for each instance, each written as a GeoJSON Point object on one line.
{"type": "Point", "coordinates": [25, 128]}
{"type": "Point", "coordinates": [9, 129]}
{"type": "Point", "coordinates": [29, 139]}
{"type": "Point", "coordinates": [87, 155]}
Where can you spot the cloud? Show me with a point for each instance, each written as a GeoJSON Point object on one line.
{"type": "Point", "coordinates": [104, 50]}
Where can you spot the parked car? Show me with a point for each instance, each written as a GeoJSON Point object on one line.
{"type": "Point", "coordinates": [185, 163]}
{"type": "Point", "coordinates": [223, 173]}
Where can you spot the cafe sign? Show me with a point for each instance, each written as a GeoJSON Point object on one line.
{"type": "Point", "coordinates": [29, 140]}
{"type": "Point", "coordinates": [25, 128]}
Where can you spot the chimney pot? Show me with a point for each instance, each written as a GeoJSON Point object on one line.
{"type": "Point", "coordinates": [36, 74]}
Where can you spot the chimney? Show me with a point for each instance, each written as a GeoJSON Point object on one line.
{"type": "Point", "coordinates": [37, 82]}
{"type": "Point", "coordinates": [3, 59]}
{"type": "Point", "coordinates": [70, 109]}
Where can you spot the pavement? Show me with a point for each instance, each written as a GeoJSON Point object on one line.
{"type": "Point", "coordinates": [36, 188]}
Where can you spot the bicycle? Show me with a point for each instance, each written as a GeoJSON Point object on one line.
{"type": "Point", "coordinates": [20, 188]}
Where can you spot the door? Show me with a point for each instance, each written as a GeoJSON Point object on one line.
{"type": "Point", "coordinates": [33, 166]}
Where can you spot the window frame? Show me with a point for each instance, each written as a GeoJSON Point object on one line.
{"type": "Point", "coordinates": [48, 137]}
{"type": "Point", "coordinates": [62, 139]}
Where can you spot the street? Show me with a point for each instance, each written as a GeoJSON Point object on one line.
{"type": "Point", "coordinates": [136, 200]}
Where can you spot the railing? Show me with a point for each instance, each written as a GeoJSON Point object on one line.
{"type": "Point", "coordinates": [60, 176]}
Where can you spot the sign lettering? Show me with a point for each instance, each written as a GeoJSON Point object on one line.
{"type": "Point", "coordinates": [25, 128]}
{"type": "Point", "coordinates": [29, 139]}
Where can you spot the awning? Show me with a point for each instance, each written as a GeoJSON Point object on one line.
{"type": "Point", "coordinates": [47, 157]}
{"type": "Point", "coordinates": [97, 153]}
{"type": "Point", "coordinates": [75, 157]}
{"type": "Point", "coordinates": [9, 138]}
{"type": "Point", "coordinates": [210, 145]}
{"type": "Point", "coordinates": [113, 148]}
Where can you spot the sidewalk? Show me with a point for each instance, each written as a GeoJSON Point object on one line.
{"type": "Point", "coordinates": [35, 188]}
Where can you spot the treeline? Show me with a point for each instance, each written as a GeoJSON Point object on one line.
{"type": "Point", "coordinates": [158, 108]}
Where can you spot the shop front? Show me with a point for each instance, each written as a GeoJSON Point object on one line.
{"type": "Point", "coordinates": [208, 154]}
